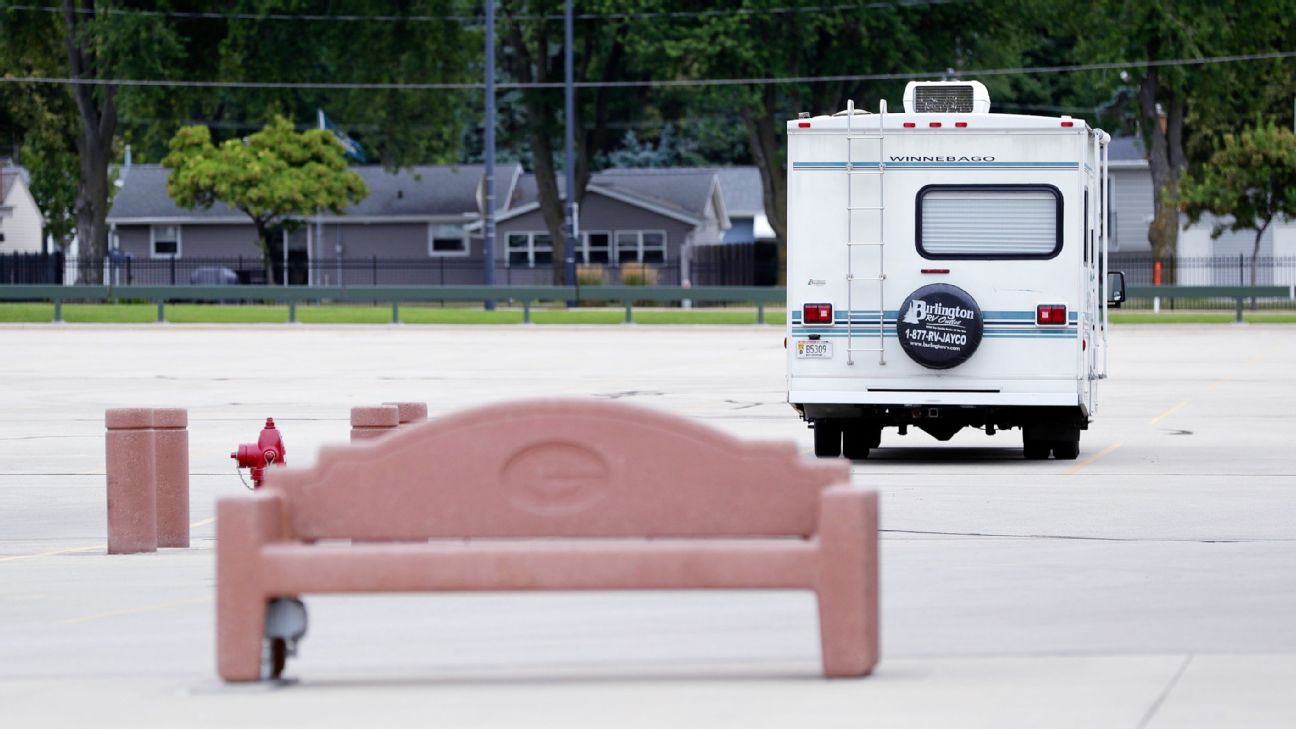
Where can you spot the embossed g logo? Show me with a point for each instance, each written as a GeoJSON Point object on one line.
{"type": "Point", "coordinates": [554, 478]}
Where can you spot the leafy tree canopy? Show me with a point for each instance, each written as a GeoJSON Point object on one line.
{"type": "Point", "coordinates": [273, 176]}
{"type": "Point", "coordinates": [1249, 182]}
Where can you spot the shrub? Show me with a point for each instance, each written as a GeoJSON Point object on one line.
{"type": "Point", "coordinates": [638, 274]}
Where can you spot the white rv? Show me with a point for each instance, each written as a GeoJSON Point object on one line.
{"type": "Point", "coordinates": [946, 269]}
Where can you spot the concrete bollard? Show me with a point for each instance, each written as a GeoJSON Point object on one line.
{"type": "Point", "coordinates": [132, 481]}
{"type": "Point", "coordinates": [373, 422]}
{"type": "Point", "coordinates": [410, 412]}
{"type": "Point", "coordinates": [171, 459]}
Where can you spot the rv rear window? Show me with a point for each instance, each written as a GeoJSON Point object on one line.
{"type": "Point", "coordinates": [989, 221]}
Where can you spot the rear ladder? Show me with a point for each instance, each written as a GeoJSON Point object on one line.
{"type": "Point", "coordinates": [879, 243]}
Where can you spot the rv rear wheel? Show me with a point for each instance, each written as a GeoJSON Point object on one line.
{"type": "Point", "coordinates": [1066, 450]}
{"type": "Point", "coordinates": [827, 438]}
{"type": "Point", "coordinates": [857, 440]}
{"type": "Point", "coordinates": [1035, 450]}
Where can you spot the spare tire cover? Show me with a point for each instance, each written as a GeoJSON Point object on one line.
{"type": "Point", "coordinates": [940, 326]}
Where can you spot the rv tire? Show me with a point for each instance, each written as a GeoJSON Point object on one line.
{"type": "Point", "coordinates": [857, 441]}
{"type": "Point", "coordinates": [1066, 450]}
{"type": "Point", "coordinates": [827, 438]}
{"type": "Point", "coordinates": [1035, 450]}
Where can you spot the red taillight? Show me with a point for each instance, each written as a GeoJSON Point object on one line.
{"type": "Point", "coordinates": [1050, 314]}
{"type": "Point", "coordinates": [1068, 124]}
{"type": "Point", "coordinates": [803, 125]}
{"type": "Point", "coordinates": [910, 125]}
{"type": "Point", "coordinates": [961, 125]}
{"type": "Point", "coordinates": [817, 313]}
{"type": "Point", "coordinates": [934, 125]}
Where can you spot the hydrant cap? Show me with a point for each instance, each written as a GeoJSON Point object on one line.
{"type": "Point", "coordinates": [270, 423]}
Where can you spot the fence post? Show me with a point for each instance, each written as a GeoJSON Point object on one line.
{"type": "Point", "coordinates": [395, 312]}
{"type": "Point", "coordinates": [760, 312]}
{"type": "Point", "coordinates": [1239, 310]}
{"type": "Point", "coordinates": [375, 269]}
{"type": "Point", "coordinates": [629, 319]}
{"type": "Point", "coordinates": [173, 270]}
{"type": "Point", "coordinates": [526, 311]}
{"type": "Point", "coordinates": [58, 310]}
{"type": "Point", "coordinates": [292, 312]}
{"type": "Point", "coordinates": [161, 307]}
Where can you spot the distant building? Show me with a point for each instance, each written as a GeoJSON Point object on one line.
{"type": "Point", "coordinates": [415, 216]}
{"type": "Point", "coordinates": [21, 222]}
{"type": "Point", "coordinates": [654, 217]}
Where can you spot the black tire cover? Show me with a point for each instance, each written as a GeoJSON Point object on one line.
{"type": "Point", "coordinates": [939, 326]}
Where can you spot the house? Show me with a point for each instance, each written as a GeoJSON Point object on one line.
{"type": "Point", "coordinates": [632, 219]}
{"type": "Point", "coordinates": [422, 226]}
{"type": "Point", "coordinates": [745, 202]}
{"type": "Point", "coordinates": [1201, 260]}
{"type": "Point", "coordinates": [21, 222]}
{"type": "Point", "coordinates": [413, 223]}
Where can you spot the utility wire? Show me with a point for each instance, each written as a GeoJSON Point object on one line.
{"type": "Point", "coordinates": [659, 83]}
{"type": "Point", "coordinates": [477, 19]}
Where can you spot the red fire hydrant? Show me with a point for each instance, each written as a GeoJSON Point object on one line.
{"type": "Point", "coordinates": [268, 449]}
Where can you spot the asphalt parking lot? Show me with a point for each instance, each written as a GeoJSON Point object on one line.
{"type": "Point", "coordinates": [1151, 582]}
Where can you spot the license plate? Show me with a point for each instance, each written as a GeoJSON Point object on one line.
{"type": "Point", "coordinates": [814, 350]}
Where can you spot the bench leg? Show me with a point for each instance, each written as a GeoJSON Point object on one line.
{"type": "Point", "coordinates": [243, 526]}
{"type": "Point", "coordinates": [847, 586]}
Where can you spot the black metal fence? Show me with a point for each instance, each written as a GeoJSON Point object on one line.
{"type": "Point", "coordinates": [733, 265]}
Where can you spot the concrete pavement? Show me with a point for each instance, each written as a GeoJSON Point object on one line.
{"type": "Point", "coordinates": [1150, 583]}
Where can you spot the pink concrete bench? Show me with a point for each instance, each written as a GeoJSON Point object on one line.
{"type": "Point", "coordinates": [551, 495]}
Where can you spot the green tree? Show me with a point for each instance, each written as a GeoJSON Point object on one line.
{"type": "Point", "coordinates": [533, 53]}
{"type": "Point", "coordinates": [275, 177]}
{"type": "Point", "coordinates": [762, 40]}
{"type": "Point", "coordinates": [39, 121]}
{"type": "Point", "coordinates": [1176, 102]}
{"type": "Point", "coordinates": [1249, 182]}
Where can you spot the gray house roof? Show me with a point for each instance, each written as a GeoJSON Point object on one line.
{"type": "Point", "coordinates": [9, 175]}
{"type": "Point", "coordinates": [1126, 151]}
{"type": "Point", "coordinates": [682, 193]}
{"type": "Point", "coordinates": [425, 191]}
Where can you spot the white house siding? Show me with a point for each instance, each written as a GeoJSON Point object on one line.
{"type": "Point", "coordinates": [1130, 209]}
{"type": "Point", "coordinates": [21, 222]}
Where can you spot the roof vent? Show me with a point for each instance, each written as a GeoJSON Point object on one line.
{"type": "Point", "coordinates": [946, 97]}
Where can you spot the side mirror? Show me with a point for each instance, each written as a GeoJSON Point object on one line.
{"type": "Point", "coordinates": [1115, 289]}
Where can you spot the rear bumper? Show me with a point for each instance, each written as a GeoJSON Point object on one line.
{"type": "Point", "coordinates": [943, 396]}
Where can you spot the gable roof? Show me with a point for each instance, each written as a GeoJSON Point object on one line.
{"type": "Point", "coordinates": [682, 193]}
{"type": "Point", "coordinates": [9, 176]}
{"type": "Point", "coordinates": [423, 191]}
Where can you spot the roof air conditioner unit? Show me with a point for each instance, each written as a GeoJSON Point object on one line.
{"type": "Point", "coordinates": [946, 97]}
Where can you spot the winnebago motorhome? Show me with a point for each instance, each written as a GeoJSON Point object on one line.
{"type": "Point", "coordinates": [947, 268]}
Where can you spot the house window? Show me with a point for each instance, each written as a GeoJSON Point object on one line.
{"type": "Point", "coordinates": [597, 248]}
{"type": "Point", "coordinates": [529, 249]}
{"type": "Point", "coordinates": [447, 240]}
{"type": "Point", "coordinates": [641, 246]}
{"type": "Point", "coordinates": [164, 241]}
{"type": "Point", "coordinates": [989, 221]}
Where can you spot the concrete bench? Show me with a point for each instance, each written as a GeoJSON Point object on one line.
{"type": "Point", "coordinates": [552, 495]}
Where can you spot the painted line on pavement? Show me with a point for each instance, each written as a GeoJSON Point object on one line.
{"type": "Point", "coordinates": [73, 550]}
{"type": "Point", "coordinates": [1174, 409]}
{"type": "Point", "coordinates": [1077, 468]}
{"type": "Point", "coordinates": [53, 553]}
{"type": "Point", "coordinates": [139, 610]}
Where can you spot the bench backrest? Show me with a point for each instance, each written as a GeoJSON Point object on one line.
{"type": "Point", "coordinates": [555, 468]}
